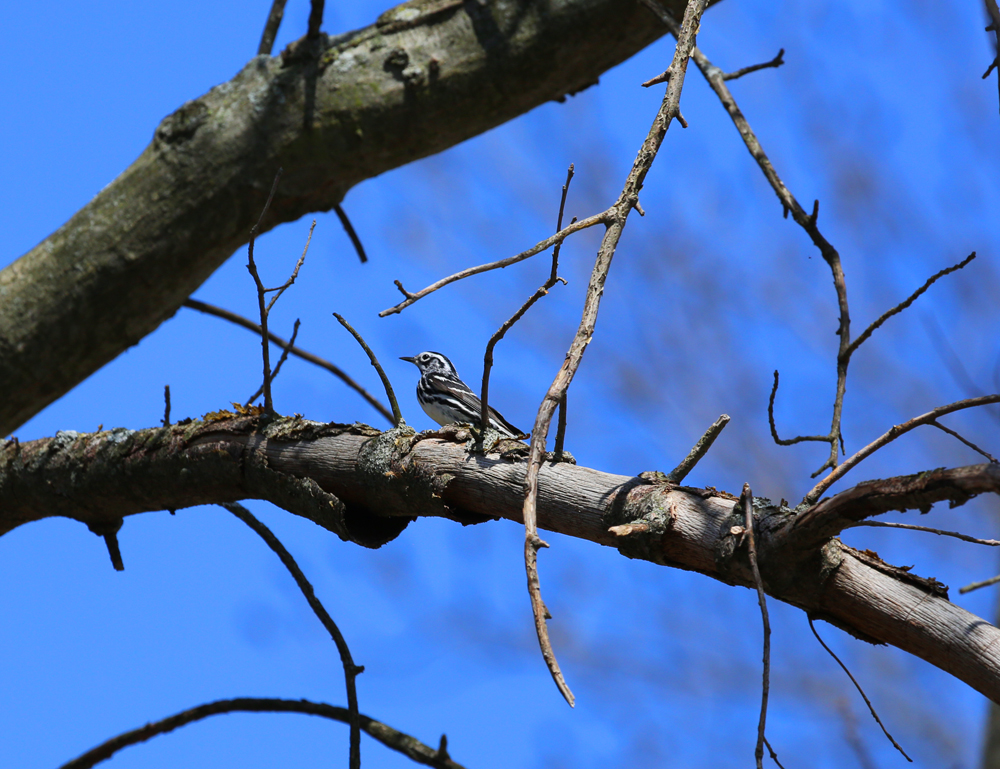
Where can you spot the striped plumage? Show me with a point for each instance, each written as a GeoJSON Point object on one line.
{"type": "Point", "coordinates": [446, 399]}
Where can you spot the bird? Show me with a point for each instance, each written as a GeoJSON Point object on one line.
{"type": "Point", "coordinates": [446, 399]}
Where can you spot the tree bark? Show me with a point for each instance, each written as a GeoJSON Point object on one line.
{"type": "Point", "coordinates": [331, 112]}
{"type": "Point", "coordinates": [367, 486]}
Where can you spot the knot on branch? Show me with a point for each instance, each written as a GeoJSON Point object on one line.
{"type": "Point", "coordinates": [639, 517]}
{"type": "Point", "coordinates": [399, 487]}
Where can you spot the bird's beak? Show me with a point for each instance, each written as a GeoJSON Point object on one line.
{"type": "Point", "coordinates": [409, 360]}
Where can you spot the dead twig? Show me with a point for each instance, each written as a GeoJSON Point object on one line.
{"type": "Point", "coordinates": [271, 28]}
{"type": "Point", "coordinates": [976, 585]}
{"type": "Point", "coordinates": [351, 671]}
{"type": "Point", "coordinates": [699, 450]}
{"type": "Point", "coordinates": [281, 360]}
{"type": "Point", "coordinates": [395, 740]}
{"type": "Point", "coordinates": [561, 428]}
{"type": "Point", "coordinates": [614, 218]}
{"type": "Point", "coordinates": [774, 429]}
{"type": "Point", "coordinates": [906, 303]}
{"type": "Point", "coordinates": [261, 292]}
{"type": "Point", "coordinates": [239, 320]}
{"type": "Point", "coordinates": [968, 443]}
{"type": "Point", "coordinates": [777, 61]}
{"type": "Point", "coordinates": [544, 245]}
{"type": "Point", "coordinates": [941, 532]}
{"type": "Point", "coordinates": [746, 501]}
{"type": "Point", "coordinates": [484, 412]}
{"type": "Point", "coordinates": [315, 18]}
{"type": "Point", "coordinates": [349, 229]}
{"type": "Point", "coordinates": [397, 417]}
{"type": "Point", "coordinates": [861, 691]}
{"type": "Point", "coordinates": [166, 405]}
{"type": "Point", "coordinates": [888, 437]}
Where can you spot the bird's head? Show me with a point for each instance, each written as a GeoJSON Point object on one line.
{"type": "Point", "coordinates": [432, 361]}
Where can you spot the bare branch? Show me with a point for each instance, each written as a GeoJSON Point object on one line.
{"type": "Point", "coordinates": [942, 532]}
{"type": "Point", "coordinates": [561, 428]}
{"type": "Point", "coordinates": [277, 368]}
{"type": "Point", "coordinates": [398, 741]}
{"type": "Point", "coordinates": [968, 443]}
{"type": "Point", "coordinates": [860, 691]}
{"type": "Point", "coordinates": [252, 268]}
{"type": "Point", "coordinates": [315, 18]}
{"type": "Point", "coordinates": [699, 450]}
{"type": "Point", "coordinates": [239, 320]}
{"type": "Point", "coordinates": [544, 245]}
{"type": "Point", "coordinates": [889, 437]}
{"type": "Point", "coordinates": [716, 79]}
{"type": "Point", "coordinates": [746, 501]}
{"type": "Point", "coordinates": [351, 671]}
{"type": "Point", "coordinates": [777, 61]}
{"type": "Point", "coordinates": [919, 491]}
{"type": "Point", "coordinates": [271, 28]}
{"type": "Point", "coordinates": [615, 218]}
{"type": "Point", "coordinates": [295, 273]}
{"type": "Point", "coordinates": [166, 405]}
{"type": "Point", "coordinates": [906, 303]}
{"type": "Point", "coordinates": [977, 585]}
{"type": "Point", "coordinates": [397, 417]}
{"type": "Point", "coordinates": [349, 229]}
{"type": "Point", "coordinates": [484, 409]}
{"type": "Point", "coordinates": [774, 429]}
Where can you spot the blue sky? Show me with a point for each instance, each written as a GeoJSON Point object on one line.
{"type": "Point", "coordinates": [880, 113]}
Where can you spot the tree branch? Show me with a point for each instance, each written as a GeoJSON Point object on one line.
{"type": "Point", "coordinates": [149, 238]}
{"type": "Point", "coordinates": [409, 746]}
{"type": "Point", "coordinates": [92, 478]}
{"type": "Point", "coordinates": [329, 474]}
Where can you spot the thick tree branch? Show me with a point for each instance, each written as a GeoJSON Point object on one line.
{"type": "Point", "coordinates": [331, 112]}
{"type": "Point", "coordinates": [366, 486]}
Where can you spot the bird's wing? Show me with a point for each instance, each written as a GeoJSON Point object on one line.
{"type": "Point", "coordinates": [460, 391]}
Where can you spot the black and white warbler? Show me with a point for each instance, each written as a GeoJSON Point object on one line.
{"type": "Point", "coordinates": [446, 399]}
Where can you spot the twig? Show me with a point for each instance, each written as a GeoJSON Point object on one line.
{"type": "Point", "coordinates": [351, 671]}
{"type": "Point", "coordinates": [906, 303]}
{"type": "Point", "coordinates": [544, 245]}
{"type": "Point", "coordinates": [746, 500]}
{"type": "Point", "coordinates": [279, 290]}
{"type": "Point", "coordinates": [484, 410]}
{"type": "Point", "coordinates": [166, 405]}
{"type": "Point", "coordinates": [976, 585]}
{"type": "Point", "coordinates": [774, 756]}
{"type": "Point", "coordinates": [252, 267]}
{"type": "Point", "coordinates": [271, 27]}
{"type": "Point", "coordinates": [397, 417]}
{"type": "Point", "coordinates": [349, 229]}
{"type": "Point", "coordinates": [774, 430]}
{"type": "Point", "coordinates": [615, 218]}
{"type": "Point", "coordinates": [994, 13]}
{"type": "Point", "coordinates": [888, 437]}
{"type": "Point", "coordinates": [281, 360]}
{"type": "Point", "coordinates": [777, 61]}
{"type": "Point", "coordinates": [716, 79]}
{"type": "Point", "coordinates": [942, 532]}
{"type": "Point", "coordinates": [239, 320]}
{"type": "Point", "coordinates": [968, 443]}
{"type": "Point", "coordinates": [561, 427]}
{"type": "Point", "coordinates": [315, 18]}
{"type": "Point", "coordinates": [860, 690]}
{"type": "Point", "coordinates": [699, 450]}
{"type": "Point", "coordinates": [398, 741]}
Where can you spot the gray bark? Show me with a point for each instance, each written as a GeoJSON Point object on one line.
{"type": "Point", "coordinates": [331, 112]}
{"type": "Point", "coordinates": [366, 486]}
